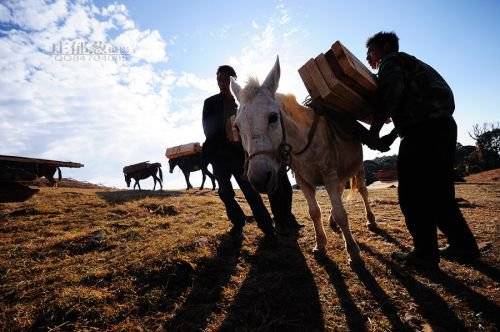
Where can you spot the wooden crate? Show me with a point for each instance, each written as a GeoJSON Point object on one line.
{"type": "Point", "coordinates": [183, 150]}
{"type": "Point", "coordinates": [231, 132]}
{"type": "Point", "coordinates": [339, 80]}
{"type": "Point", "coordinates": [354, 68]}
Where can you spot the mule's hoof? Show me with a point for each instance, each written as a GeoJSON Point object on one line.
{"type": "Point", "coordinates": [372, 227]}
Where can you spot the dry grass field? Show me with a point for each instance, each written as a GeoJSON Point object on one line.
{"type": "Point", "coordinates": [102, 259]}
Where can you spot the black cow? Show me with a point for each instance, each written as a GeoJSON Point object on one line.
{"type": "Point", "coordinates": [192, 163]}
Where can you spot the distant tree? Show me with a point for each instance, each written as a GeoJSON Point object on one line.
{"type": "Point", "coordinates": [487, 139]}
{"type": "Point", "coordinates": [463, 156]}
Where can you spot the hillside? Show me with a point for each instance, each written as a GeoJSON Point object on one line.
{"type": "Point", "coordinates": [85, 259]}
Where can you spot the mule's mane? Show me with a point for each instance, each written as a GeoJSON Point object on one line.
{"type": "Point", "coordinates": [299, 113]}
{"type": "Point", "coordinates": [289, 104]}
{"type": "Point", "coordinates": [250, 90]}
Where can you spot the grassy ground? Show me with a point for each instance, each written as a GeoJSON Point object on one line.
{"type": "Point", "coordinates": [93, 259]}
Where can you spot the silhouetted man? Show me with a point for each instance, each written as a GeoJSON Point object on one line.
{"type": "Point", "coordinates": [421, 105]}
{"type": "Point", "coordinates": [228, 160]}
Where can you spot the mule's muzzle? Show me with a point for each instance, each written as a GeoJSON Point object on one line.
{"type": "Point", "coordinates": [262, 176]}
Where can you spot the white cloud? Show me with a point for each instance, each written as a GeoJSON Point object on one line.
{"type": "Point", "coordinates": [278, 36]}
{"type": "Point", "coordinates": [36, 15]}
{"type": "Point", "coordinates": [145, 45]}
{"type": "Point", "coordinates": [103, 113]}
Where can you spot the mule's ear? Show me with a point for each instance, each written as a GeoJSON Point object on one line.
{"type": "Point", "coordinates": [273, 78]}
{"type": "Point", "coordinates": [235, 88]}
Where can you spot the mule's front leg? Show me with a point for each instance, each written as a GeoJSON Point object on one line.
{"type": "Point", "coordinates": [186, 176]}
{"type": "Point", "coordinates": [203, 178]}
{"type": "Point", "coordinates": [340, 216]}
{"type": "Point", "coordinates": [315, 213]}
{"type": "Point", "coordinates": [363, 191]}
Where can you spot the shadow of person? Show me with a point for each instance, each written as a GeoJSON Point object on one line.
{"type": "Point", "coordinates": [389, 238]}
{"type": "Point", "coordinates": [486, 269]}
{"type": "Point", "coordinates": [480, 304]}
{"type": "Point", "coordinates": [211, 276]}
{"type": "Point", "coordinates": [354, 318]}
{"type": "Point", "coordinates": [278, 294]}
{"type": "Point", "coordinates": [384, 301]}
{"type": "Point", "coordinates": [430, 305]}
{"type": "Point", "coordinates": [123, 196]}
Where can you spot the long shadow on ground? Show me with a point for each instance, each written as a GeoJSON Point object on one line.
{"type": "Point", "coordinates": [278, 294]}
{"type": "Point", "coordinates": [212, 275]}
{"type": "Point", "coordinates": [384, 301]}
{"type": "Point", "coordinates": [430, 305]}
{"type": "Point", "coordinates": [123, 196]}
{"type": "Point", "coordinates": [354, 318]}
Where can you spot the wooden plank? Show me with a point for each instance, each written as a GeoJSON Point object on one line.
{"type": "Point", "coordinates": [308, 82]}
{"type": "Point", "coordinates": [339, 73]}
{"type": "Point", "coordinates": [335, 85]}
{"type": "Point", "coordinates": [354, 68]}
{"type": "Point", "coordinates": [320, 83]}
{"type": "Point", "coordinates": [56, 163]}
{"type": "Point", "coordinates": [345, 97]}
{"type": "Point", "coordinates": [183, 150]}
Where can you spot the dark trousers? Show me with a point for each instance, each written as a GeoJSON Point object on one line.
{"type": "Point", "coordinates": [426, 188]}
{"type": "Point", "coordinates": [226, 166]}
{"type": "Point", "coordinates": [281, 204]}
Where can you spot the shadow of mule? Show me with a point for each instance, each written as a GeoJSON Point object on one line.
{"type": "Point", "coordinates": [278, 294]}
{"type": "Point", "coordinates": [211, 276]}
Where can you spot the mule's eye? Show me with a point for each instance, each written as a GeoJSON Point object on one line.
{"type": "Point", "coordinates": [273, 117]}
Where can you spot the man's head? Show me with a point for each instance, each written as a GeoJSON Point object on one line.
{"type": "Point", "coordinates": [379, 45]}
{"type": "Point", "coordinates": [223, 78]}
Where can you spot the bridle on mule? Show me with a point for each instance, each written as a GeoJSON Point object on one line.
{"type": "Point", "coordinates": [284, 152]}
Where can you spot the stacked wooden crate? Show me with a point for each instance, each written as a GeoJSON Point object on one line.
{"type": "Point", "coordinates": [183, 150]}
{"type": "Point", "coordinates": [337, 79]}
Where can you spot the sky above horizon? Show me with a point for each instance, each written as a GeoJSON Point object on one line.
{"type": "Point", "coordinates": [110, 111]}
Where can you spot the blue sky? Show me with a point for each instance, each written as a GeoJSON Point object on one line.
{"type": "Point", "coordinates": [107, 114]}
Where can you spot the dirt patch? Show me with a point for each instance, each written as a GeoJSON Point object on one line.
{"type": "Point", "coordinates": [161, 209]}
{"type": "Point", "coordinates": [95, 241]}
{"type": "Point", "coordinates": [486, 176]}
{"type": "Point", "coordinates": [22, 212]}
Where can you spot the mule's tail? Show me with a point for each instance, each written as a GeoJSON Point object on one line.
{"type": "Point", "coordinates": [59, 175]}
{"type": "Point", "coordinates": [354, 186]}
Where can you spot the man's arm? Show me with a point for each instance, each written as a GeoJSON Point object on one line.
{"type": "Point", "coordinates": [390, 93]}
{"type": "Point", "coordinates": [207, 121]}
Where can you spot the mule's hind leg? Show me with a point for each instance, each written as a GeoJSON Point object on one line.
{"type": "Point", "coordinates": [363, 191]}
{"type": "Point", "coordinates": [333, 224]}
{"type": "Point", "coordinates": [340, 217]}
{"type": "Point", "coordinates": [315, 213]}
{"type": "Point", "coordinates": [154, 185]}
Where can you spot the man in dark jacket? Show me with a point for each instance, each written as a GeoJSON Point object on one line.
{"type": "Point", "coordinates": [228, 160]}
{"type": "Point", "coordinates": [421, 105]}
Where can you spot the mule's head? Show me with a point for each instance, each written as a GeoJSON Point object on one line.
{"type": "Point", "coordinates": [259, 124]}
{"type": "Point", "coordinates": [172, 163]}
{"type": "Point", "coordinates": [127, 180]}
